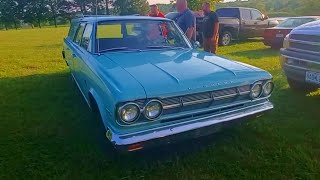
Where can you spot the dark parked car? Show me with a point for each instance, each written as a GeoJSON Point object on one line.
{"type": "Point", "coordinates": [300, 57]}
{"type": "Point", "coordinates": [236, 22]}
{"type": "Point", "coordinates": [274, 36]}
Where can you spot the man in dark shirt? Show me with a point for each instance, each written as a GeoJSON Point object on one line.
{"type": "Point", "coordinates": [186, 19]}
{"type": "Point", "coordinates": [210, 29]}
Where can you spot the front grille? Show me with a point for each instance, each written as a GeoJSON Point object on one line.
{"type": "Point", "coordinates": [308, 43]}
{"type": "Point", "coordinates": [201, 98]}
{"type": "Point", "coordinates": [306, 47]}
{"type": "Point", "coordinates": [302, 37]}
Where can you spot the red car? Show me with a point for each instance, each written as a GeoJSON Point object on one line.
{"type": "Point", "coordinates": [274, 36]}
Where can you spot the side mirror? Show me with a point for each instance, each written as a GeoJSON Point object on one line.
{"type": "Point", "coordinates": [196, 45]}
{"type": "Point", "coordinates": [264, 17]}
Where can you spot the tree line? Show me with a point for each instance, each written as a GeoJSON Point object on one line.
{"type": "Point", "coordinates": [280, 7]}
{"type": "Point", "coordinates": [14, 13]}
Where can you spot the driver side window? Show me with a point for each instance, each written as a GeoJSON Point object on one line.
{"type": "Point", "coordinates": [256, 15]}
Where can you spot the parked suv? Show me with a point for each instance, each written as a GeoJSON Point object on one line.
{"type": "Point", "coordinates": [300, 57]}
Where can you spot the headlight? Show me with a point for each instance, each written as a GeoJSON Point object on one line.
{"type": "Point", "coordinates": [268, 88]}
{"type": "Point", "coordinates": [129, 113]}
{"type": "Point", "coordinates": [286, 42]}
{"type": "Point", "coordinates": [153, 109]}
{"type": "Point", "coordinates": [256, 91]}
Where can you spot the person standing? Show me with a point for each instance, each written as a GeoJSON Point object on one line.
{"type": "Point", "coordinates": [210, 29]}
{"type": "Point", "coordinates": [155, 11]}
{"type": "Point", "coordinates": [186, 19]}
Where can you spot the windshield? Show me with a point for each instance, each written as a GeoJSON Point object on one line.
{"type": "Point", "coordinates": [138, 35]}
{"type": "Point", "coordinates": [294, 22]}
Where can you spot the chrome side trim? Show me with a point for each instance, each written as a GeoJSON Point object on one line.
{"type": "Point", "coordinates": [185, 126]}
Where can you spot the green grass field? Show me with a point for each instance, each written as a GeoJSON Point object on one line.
{"type": "Point", "coordinates": [47, 130]}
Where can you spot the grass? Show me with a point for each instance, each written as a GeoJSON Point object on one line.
{"type": "Point", "coordinates": [47, 131]}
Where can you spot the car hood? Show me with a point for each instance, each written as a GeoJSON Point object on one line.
{"type": "Point", "coordinates": [176, 72]}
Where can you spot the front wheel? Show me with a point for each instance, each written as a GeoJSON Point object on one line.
{"type": "Point", "coordinates": [225, 38]}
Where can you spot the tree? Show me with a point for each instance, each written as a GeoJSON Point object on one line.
{"type": "Point", "coordinates": [127, 7]}
{"type": "Point", "coordinates": [9, 12]}
{"type": "Point", "coordinates": [36, 11]}
{"type": "Point", "coordinates": [54, 7]}
{"type": "Point", "coordinates": [197, 4]}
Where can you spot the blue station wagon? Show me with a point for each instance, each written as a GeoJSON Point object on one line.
{"type": "Point", "coordinates": [151, 86]}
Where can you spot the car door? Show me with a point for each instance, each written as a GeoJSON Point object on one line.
{"type": "Point", "coordinates": [84, 55]}
{"type": "Point", "coordinates": [260, 23]}
{"type": "Point", "coordinates": [247, 24]}
{"type": "Point", "coordinates": [68, 45]}
{"type": "Point", "coordinates": [76, 52]}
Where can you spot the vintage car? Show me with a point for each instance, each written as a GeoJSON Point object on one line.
{"type": "Point", "coordinates": [274, 36]}
{"type": "Point", "coordinates": [300, 57]}
{"type": "Point", "coordinates": [151, 87]}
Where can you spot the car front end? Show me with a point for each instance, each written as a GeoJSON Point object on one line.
{"type": "Point", "coordinates": [164, 90]}
{"type": "Point", "coordinates": [300, 56]}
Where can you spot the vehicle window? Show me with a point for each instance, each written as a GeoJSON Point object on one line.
{"type": "Point", "coordinates": [295, 22]}
{"type": "Point", "coordinates": [86, 38]}
{"type": "Point", "coordinates": [138, 34]}
{"type": "Point", "coordinates": [78, 36]}
{"type": "Point", "coordinates": [256, 15]}
{"type": "Point", "coordinates": [73, 29]}
{"type": "Point", "coordinates": [246, 14]}
{"type": "Point", "coordinates": [228, 12]}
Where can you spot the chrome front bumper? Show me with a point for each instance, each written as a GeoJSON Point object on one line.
{"type": "Point", "coordinates": [181, 129]}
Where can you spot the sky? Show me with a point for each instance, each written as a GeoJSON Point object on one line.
{"type": "Point", "coordinates": [166, 1]}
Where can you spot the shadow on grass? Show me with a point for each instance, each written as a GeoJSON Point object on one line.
{"type": "Point", "coordinates": [47, 130]}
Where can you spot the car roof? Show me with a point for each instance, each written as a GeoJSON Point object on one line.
{"type": "Point", "coordinates": [99, 18]}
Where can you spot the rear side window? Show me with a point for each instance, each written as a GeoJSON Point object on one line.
{"type": "Point", "coordinates": [86, 38]}
{"type": "Point", "coordinates": [73, 29]}
{"type": "Point", "coordinates": [78, 36]}
{"type": "Point", "coordinates": [246, 14]}
{"type": "Point", "coordinates": [228, 12]}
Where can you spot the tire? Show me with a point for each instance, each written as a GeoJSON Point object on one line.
{"type": "Point", "coordinates": [302, 87]}
{"type": "Point", "coordinates": [225, 38]}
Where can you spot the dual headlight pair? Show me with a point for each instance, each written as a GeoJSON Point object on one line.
{"type": "Point", "coordinates": [259, 89]}
{"type": "Point", "coordinates": [130, 112]}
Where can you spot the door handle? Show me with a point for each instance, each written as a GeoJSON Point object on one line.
{"type": "Point", "coordinates": [74, 55]}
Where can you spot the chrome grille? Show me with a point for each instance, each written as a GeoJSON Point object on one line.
{"type": "Point", "coordinates": [306, 43]}
{"type": "Point", "coordinates": [199, 98]}
{"type": "Point", "coordinates": [302, 37]}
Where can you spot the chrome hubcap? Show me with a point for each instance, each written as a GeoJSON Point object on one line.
{"type": "Point", "coordinates": [226, 39]}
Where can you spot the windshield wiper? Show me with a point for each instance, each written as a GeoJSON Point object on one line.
{"type": "Point", "coordinates": [163, 47]}
{"type": "Point", "coordinates": [118, 49]}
